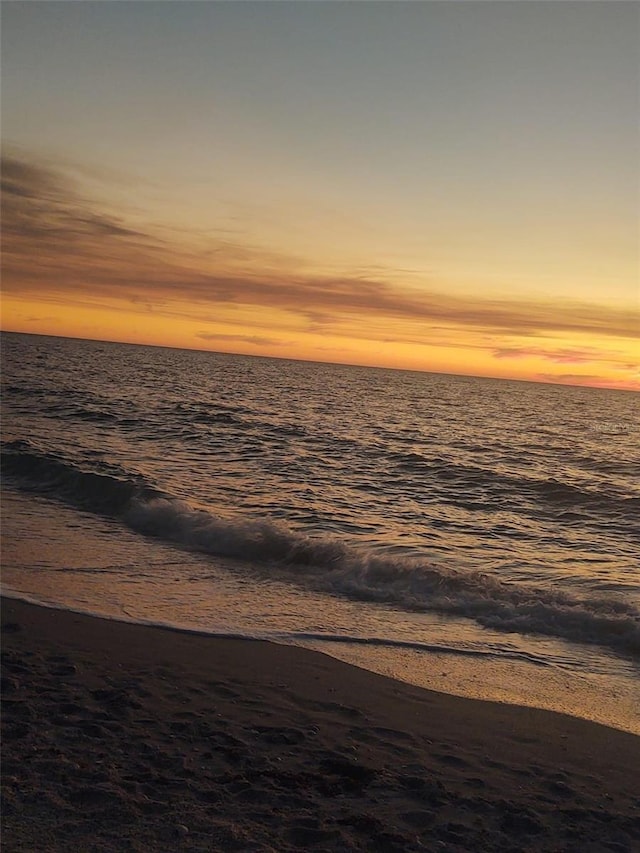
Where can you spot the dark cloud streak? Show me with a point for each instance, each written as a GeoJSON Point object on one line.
{"type": "Point", "coordinates": [559, 356]}
{"type": "Point", "coordinates": [56, 242]}
{"type": "Point", "coordinates": [257, 340]}
{"type": "Point", "coordinates": [38, 205]}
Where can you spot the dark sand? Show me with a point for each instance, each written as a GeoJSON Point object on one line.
{"type": "Point", "coordinates": [123, 737]}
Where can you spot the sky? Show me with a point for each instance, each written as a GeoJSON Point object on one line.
{"type": "Point", "coordinates": [444, 186]}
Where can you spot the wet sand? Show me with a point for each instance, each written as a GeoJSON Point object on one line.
{"type": "Point", "coordinates": [124, 737]}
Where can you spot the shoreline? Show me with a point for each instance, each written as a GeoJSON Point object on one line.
{"type": "Point", "coordinates": [120, 736]}
{"type": "Point", "coordinates": [451, 676]}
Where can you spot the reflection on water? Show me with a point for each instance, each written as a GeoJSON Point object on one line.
{"type": "Point", "coordinates": [495, 523]}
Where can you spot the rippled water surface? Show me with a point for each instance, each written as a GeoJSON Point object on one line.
{"type": "Point", "coordinates": [352, 507]}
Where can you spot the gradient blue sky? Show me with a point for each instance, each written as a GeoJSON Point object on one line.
{"type": "Point", "coordinates": [475, 160]}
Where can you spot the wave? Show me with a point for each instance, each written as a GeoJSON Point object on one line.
{"type": "Point", "coordinates": [288, 637]}
{"type": "Point", "coordinates": [63, 404]}
{"type": "Point", "coordinates": [501, 487]}
{"type": "Point", "coordinates": [412, 645]}
{"type": "Point", "coordinates": [108, 490]}
{"type": "Point", "coordinates": [78, 413]}
{"type": "Point", "coordinates": [326, 563]}
{"type": "Point", "coordinates": [240, 417]}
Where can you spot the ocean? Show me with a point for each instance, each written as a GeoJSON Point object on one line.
{"type": "Point", "coordinates": [475, 536]}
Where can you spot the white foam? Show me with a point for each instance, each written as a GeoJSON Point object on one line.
{"type": "Point", "coordinates": [333, 565]}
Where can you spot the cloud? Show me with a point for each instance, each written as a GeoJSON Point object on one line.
{"type": "Point", "coordinates": [61, 246]}
{"type": "Point", "coordinates": [39, 205]}
{"type": "Point", "coordinates": [317, 321]}
{"type": "Point", "coordinates": [258, 340]}
{"type": "Point", "coordinates": [570, 377]}
{"type": "Point", "coordinates": [589, 380]}
{"type": "Point", "coordinates": [559, 356]}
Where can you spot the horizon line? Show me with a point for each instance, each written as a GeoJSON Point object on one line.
{"type": "Point", "coordinates": [317, 361]}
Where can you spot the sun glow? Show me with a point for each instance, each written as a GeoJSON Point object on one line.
{"type": "Point", "coordinates": [461, 205]}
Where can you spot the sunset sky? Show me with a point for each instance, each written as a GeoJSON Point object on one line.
{"type": "Point", "coordinates": [442, 186]}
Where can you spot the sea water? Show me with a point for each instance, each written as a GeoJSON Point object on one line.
{"type": "Point", "coordinates": [476, 536]}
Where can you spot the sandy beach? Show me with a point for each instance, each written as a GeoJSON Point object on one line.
{"type": "Point", "coordinates": [125, 737]}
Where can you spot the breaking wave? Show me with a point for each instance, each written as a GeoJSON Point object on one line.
{"type": "Point", "coordinates": [108, 490]}
{"type": "Point", "coordinates": [326, 563]}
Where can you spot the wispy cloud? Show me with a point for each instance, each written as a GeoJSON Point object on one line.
{"type": "Point", "coordinates": [39, 205]}
{"type": "Point", "coordinates": [559, 356]}
{"type": "Point", "coordinates": [257, 340]}
{"type": "Point", "coordinates": [569, 377]}
{"type": "Point", "coordinates": [61, 245]}
{"type": "Point", "coordinates": [573, 378]}
{"type": "Point", "coordinates": [589, 380]}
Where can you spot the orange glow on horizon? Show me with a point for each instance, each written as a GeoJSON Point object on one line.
{"type": "Point", "coordinates": [421, 186]}
{"type": "Point", "coordinates": [110, 320]}
{"type": "Point", "coordinates": [72, 268]}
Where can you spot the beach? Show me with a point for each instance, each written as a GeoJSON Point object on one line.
{"type": "Point", "coordinates": [319, 397]}
{"type": "Point", "coordinates": [463, 535]}
{"type": "Point", "coordinates": [121, 736]}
